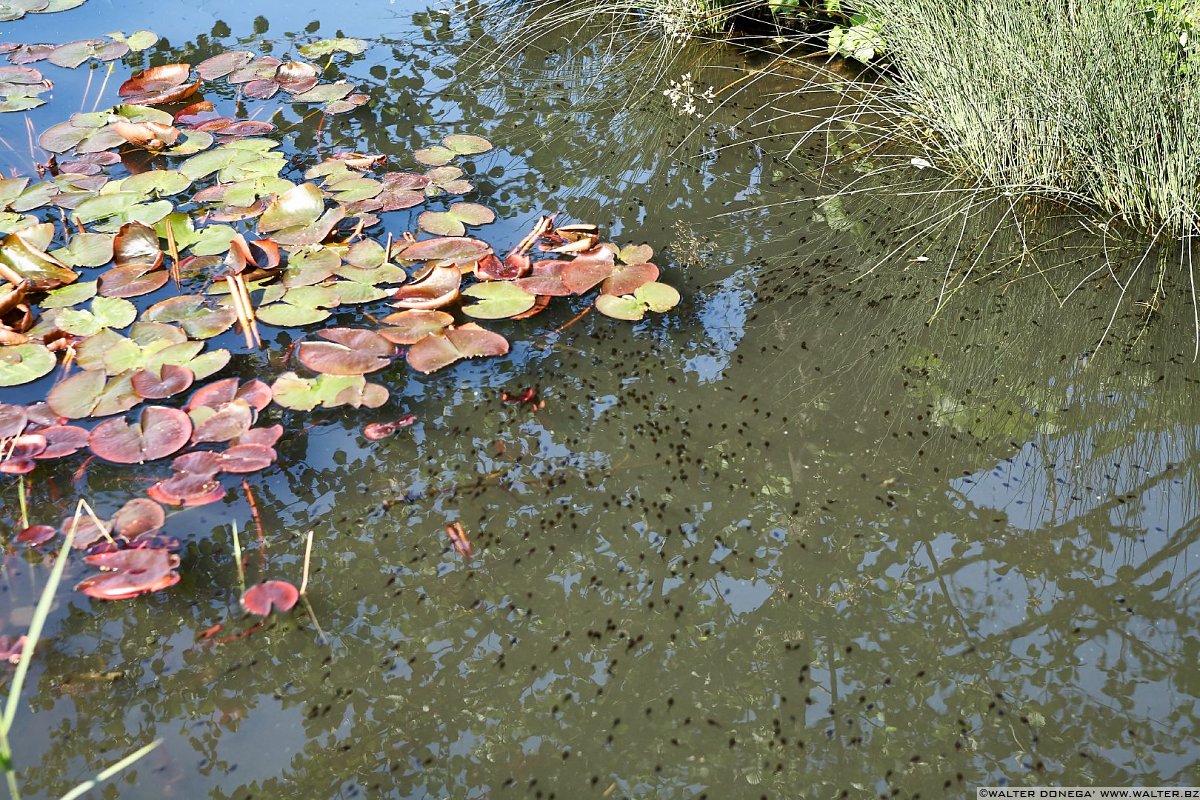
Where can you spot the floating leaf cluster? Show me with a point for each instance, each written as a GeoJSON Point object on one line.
{"type": "Point", "coordinates": [160, 224]}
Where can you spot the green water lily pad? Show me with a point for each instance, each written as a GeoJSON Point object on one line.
{"type": "Point", "coordinates": [498, 300]}
{"type": "Point", "coordinates": [309, 266]}
{"type": "Point", "coordinates": [324, 47]}
{"type": "Point", "coordinates": [71, 295]}
{"type": "Point", "coordinates": [656, 297]}
{"type": "Point", "coordinates": [213, 240]}
{"type": "Point", "coordinates": [137, 41]}
{"type": "Point", "coordinates": [163, 182]}
{"type": "Point", "coordinates": [192, 313]}
{"type": "Point", "coordinates": [21, 255]}
{"type": "Point", "coordinates": [305, 394]}
{"type": "Point", "coordinates": [466, 145]}
{"type": "Point", "coordinates": [75, 397]}
{"type": "Point", "coordinates": [434, 156]}
{"type": "Point", "coordinates": [325, 93]}
{"type": "Point", "coordinates": [23, 363]}
{"type": "Point", "coordinates": [299, 206]}
{"type": "Point", "coordinates": [454, 220]}
{"type": "Point", "coordinates": [86, 250]}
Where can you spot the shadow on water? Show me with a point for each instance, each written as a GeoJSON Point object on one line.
{"type": "Point", "coordinates": [794, 539]}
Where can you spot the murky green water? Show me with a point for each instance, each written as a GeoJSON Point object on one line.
{"type": "Point", "coordinates": [791, 540]}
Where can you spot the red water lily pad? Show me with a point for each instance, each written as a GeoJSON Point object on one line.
{"type": "Point", "coordinates": [128, 573]}
{"type": "Point", "coordinates": [267, 437]}
{"type": "Point", "coordinates": [136, 243]}
{"type": "Point", "coordinates": [445, 249]}
{"type": "Point", "coordinates": [167, 381]}
{"type": "Point", "coordinates": [628, 278]}
{"type": "Point", "coordinates": [545, 278]}
{"type": "Point", "coordinates": [490, 268]}
{"type": "Point", "coordinates": [588, 269]}
{"type": "Point", "coordinates": [364, 341]}
{"type": "Point", "coordinates": [166, 83]}
{"type": "Point", "coordinates": [132, 280]}
{"type": "Point", "coordinates": [381, 430]}
{"type": "Point", "coordinates": [331, 358]}
{"type": "Point", "coordinates": [197, 462]}
{"type": "Point", "coordinates": [263, 598]}
{"type": "Point", "coordinates": [437, 289]}
{"type": "Point", "coordinates": [12, 420]}
{"type": "Point", "coordinates": [37, 535]}
{"type": "Point", "coordinates": [62, 441]}
{"type": "Point", "coordinates": [87, 531]}
{"type": "Point", "coordinates": [28, 445]}
{"type": "Point", "coordinates": [409, 327]}
{"type": "Point", "coordinates": [140, 515]}
{"type": "Point", "coordinates": [187, 490]}
{"type": "Point", "coordinates": [245, 458]}
{"type": "Point", "coordinates": [160, 432]}
{"type": "Point", "coordinates": [466, 341]}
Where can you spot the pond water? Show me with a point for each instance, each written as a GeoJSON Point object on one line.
{"type": "Point", "coordinates": [794, 538]}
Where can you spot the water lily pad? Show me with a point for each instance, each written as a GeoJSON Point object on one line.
{"type": "Point", "coordinates": [13, 419]}
{"type": "Point", "coordinates": [588, 269]}
{"type": "Point", "coordinates": [23, 363]}
{"type": "Point", "coordinates": [160, 432]}
{"type": "Point", "coordinates": [454, 220]}
{"type": "Point", "coordinates": [305, 394]}
{"type": "Point", "coordinates": [62, 441]}
{"type": "Point", "coordinates": [302, 205]}
{"type": "Point", "coordinates": [193, 314]}
{"type": "Point", "coordinates": [166, 83]}
{"type": "Point", "coordinates": [309, 266]}
{"type": "Point", "coordinates": [434, 156]}
{"type": "Point", "coordinates": [20, 254]}
{"type": "Point", "coordinates": [129, 573]}
{"type": "Point", "coordinates": [466, 341]}
{"type": "Point", "coordinates": [222, 64]}
{"type": "Point", "coordinates": [138, 516]}
{"type": "Point", "coordinates": [132, 280]}
{"type": "Point", "coordinates": [263, 437]}
{"type": "Point", "coordinates": [77, 395]}
{"type": "Point", "coordinates": [331, 358]}
{"type": "Point", "coordinates": [629, 277]}
{"type": "Point", "coordinates": [187, 490]}
{"type": "Point", "coordinates": [545, 278]}
{"type": "Point", "coordinates": [457, 250]}
{"type": "Point", "coordinates": [467, 145]}
{"type": "Point", "coordinates": [87, 250]}
{"type": "Point", "coordinates": [438, 288]}
{"type": "Point", "coordinates": [37, 535]}
{"type": "Point", "coordinates": [244, 458]}
{"type": "Point", "coordinates": [229, 422]}
{"type": "Point", "coordinates": [498, 300]}
{"type": "Point", "coordinates": [324, 47]}
{"type": "Point", "coordinates": [650, 297]}
{"type": "Point", "coordinates": [409, 327]}
{"type": "Point", "coordinates": [168, 381]}
{"type": "Point", "coordinates": [263, 598]}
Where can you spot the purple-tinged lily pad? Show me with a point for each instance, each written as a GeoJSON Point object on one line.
{"type": "Point", "coordinates": [263, 598]}
{"type": "Point", "coordinates": [466, 341]}
{"type": "Point", "coordinates": [245, 458]}
{"type": "Point", "coordinates": [168, 381]}
{"type": "Point", "coordinates": [409, 327]}
{"type": "Point", "coordinates": [12, 420]}
{"type": "Point", "coordinates": [160, 432]}
{"type": "Point", "coordinates": [62, 441]}
{"type": "Point", "coordinates": [231, 421]}
{"type": "Point", "coordinates": [187, 489]}
{"type": "Point", "coordinates": [129, 573]}
{"type": "Point", "coordinates": [438, 288]}
{"type": "Point", "coordinates": [331, 358]}
{"type": "Point", "coordinates": [37, 535]}
{"type": "Point", "coordinates": [139, 516]}
{"type": "Point", "coordinates": [458, 250]}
